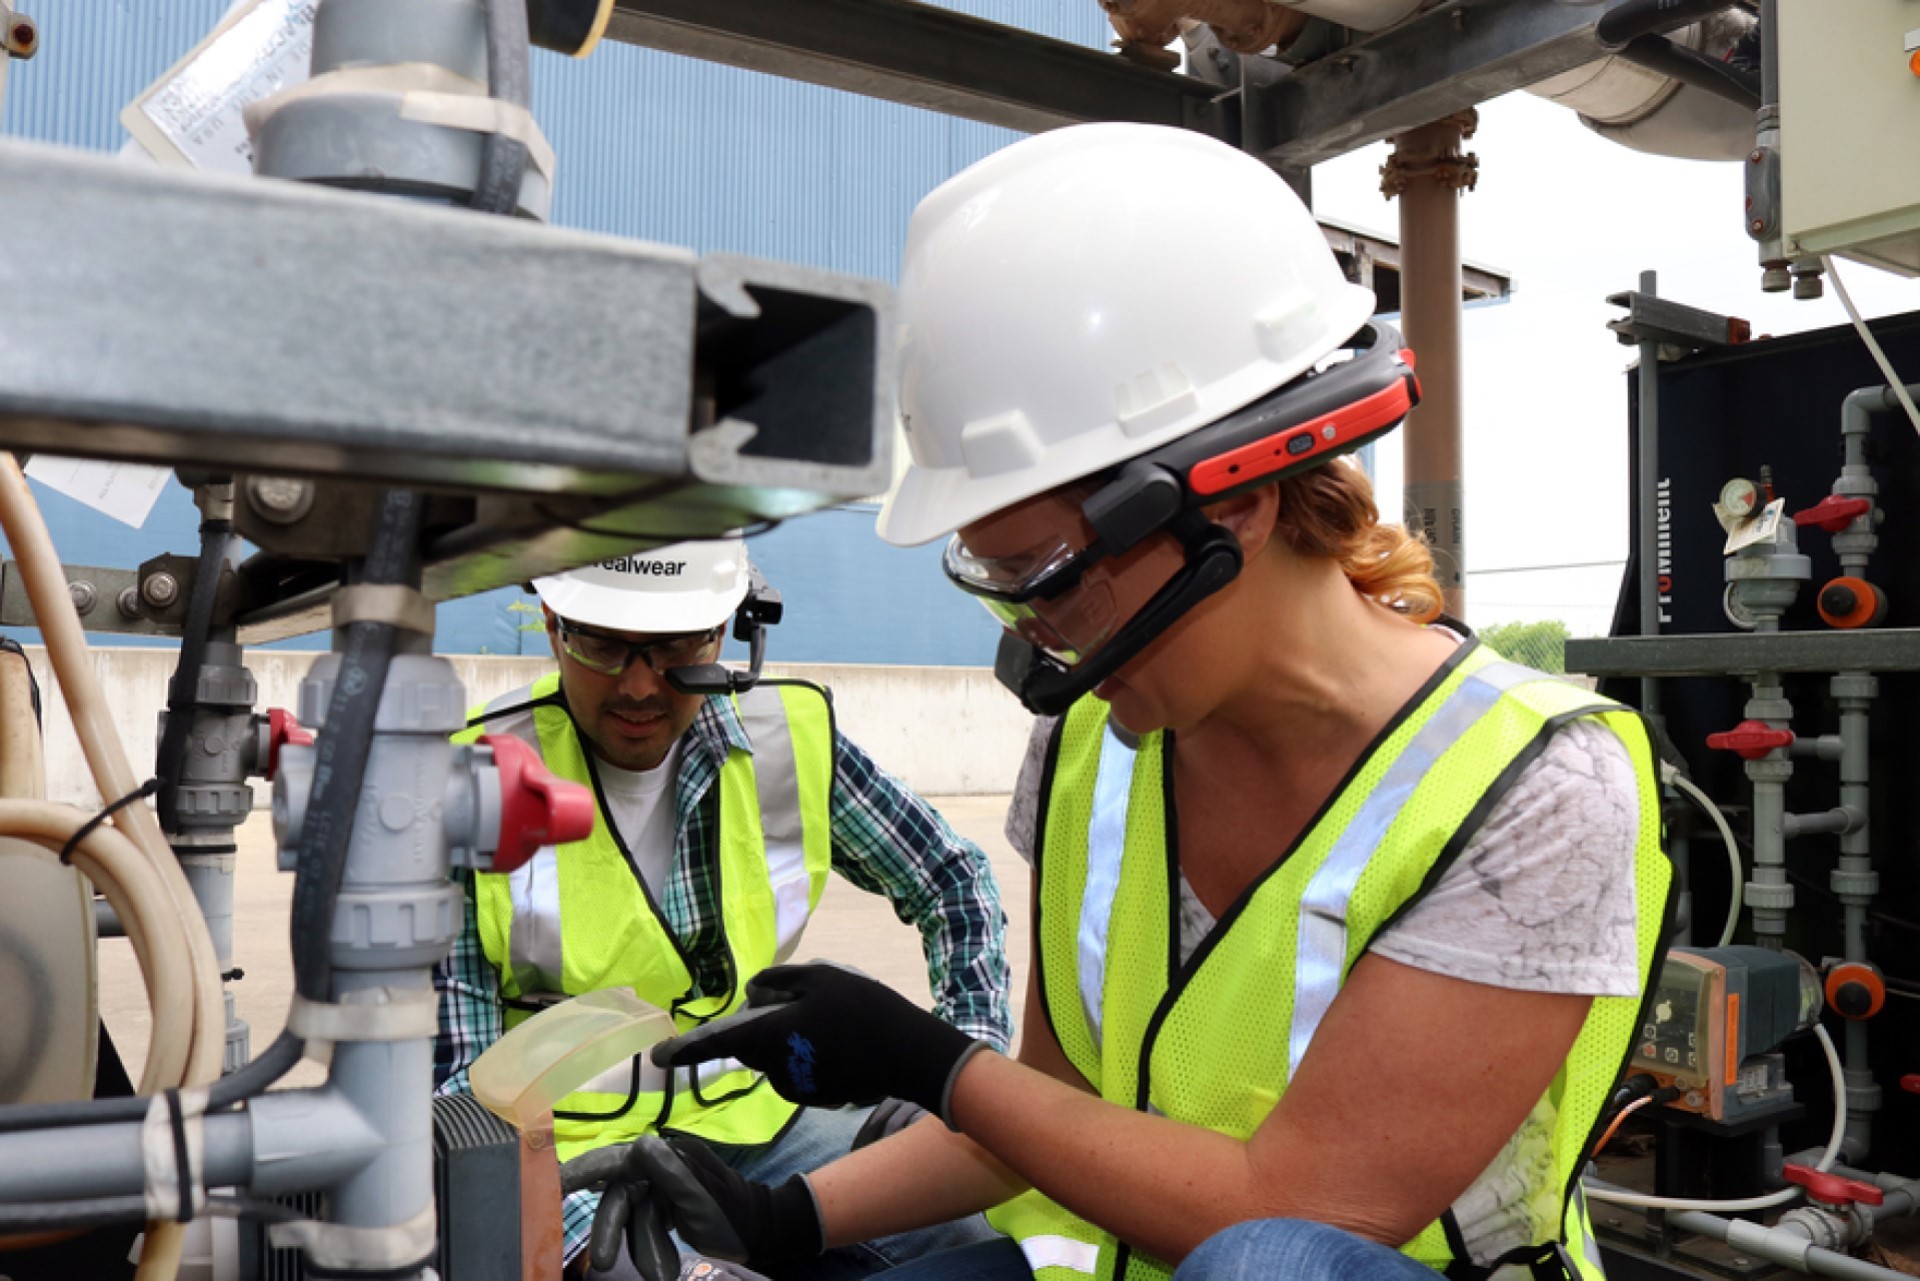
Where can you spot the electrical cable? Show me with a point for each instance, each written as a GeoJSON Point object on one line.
{"type": "Point", "coordinates": [1873, 345]}
{"type": "Point", "coordinates": [503, 160]}
{"type": "Point", "coordinates": [184, 688]}
{"type": "Point", "coordinates": [1616, 1196]}
{"type": "Point", "coordinates": [94, 1212]}
{"type": "Point", "coordinates": [1625, 1112]}
{"type": "Point", "coordinates": [342, 747]}
{"type": "Point", "coordinates": [1701, 799]}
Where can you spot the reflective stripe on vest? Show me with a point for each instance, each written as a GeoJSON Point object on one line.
{"type": "Point", "coordinates": [1417, 798]}
{"type": "Point", "coordinates": [1321, 963]}
{"type": "Point", "coordinates": [577, 919]}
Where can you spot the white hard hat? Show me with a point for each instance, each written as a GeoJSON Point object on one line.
{"type": "Point", "coordinates": [685, 587]}
{"type": "Point", "coordinates": [1088, 294]}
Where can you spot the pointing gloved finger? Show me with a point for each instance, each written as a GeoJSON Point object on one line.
{"type": "Point", "coordinates": [653, 1252]}
{"type": "Point", "coordinates": [732, 1037]}
{"type": "Point", "coordinates": [609, 1222]}
{"type": "Point", "coordinates": [702, 1220]}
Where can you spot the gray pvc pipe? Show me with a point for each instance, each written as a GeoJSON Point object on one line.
{"type": "Point", "coordinates": [1788, 1249]}
{"type": "Point", "coordinates": [85, 1161]}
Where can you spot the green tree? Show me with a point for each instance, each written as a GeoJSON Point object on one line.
{"type": "Point", "coordinates": [1541, 645]}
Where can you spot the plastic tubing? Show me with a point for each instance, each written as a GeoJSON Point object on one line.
{"type": "Point", "coordinates": [1712, 811]}
{"type": "Point", "coordinates": [1618, 1196]}
{"type": "Point", "coordinates": [111, 862]}
{"type": "Point", "coordinates": [53, 610]}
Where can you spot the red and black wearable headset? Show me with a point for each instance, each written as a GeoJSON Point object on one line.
{"type": "Point", "coordinates": [1304, 424]}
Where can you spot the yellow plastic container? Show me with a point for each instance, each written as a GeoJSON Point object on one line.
{"type": "Point", "coordinates": [523, 1074]}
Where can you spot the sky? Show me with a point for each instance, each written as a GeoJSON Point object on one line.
{"type": "Point", "coordinates": [1573, 218]}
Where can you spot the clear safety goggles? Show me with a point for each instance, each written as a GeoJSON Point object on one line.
{"type": "Point", "coordinates": [1042, 595]}
{"type": "Point", "coordinates": [611, 655]}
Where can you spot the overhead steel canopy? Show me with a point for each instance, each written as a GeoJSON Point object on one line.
{"type": "Point", "coordinates": [1365, 87]}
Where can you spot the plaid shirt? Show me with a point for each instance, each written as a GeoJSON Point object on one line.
{"type": "Point", "coordinates": [886, 840]}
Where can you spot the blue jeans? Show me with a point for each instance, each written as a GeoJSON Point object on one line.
{"type": "Point", "coordinates": [1263, 1250]}
{"type": "Point", "coordinates": [817, 1137]}
{"type": "Point", "coordinates": [1298, 1250]}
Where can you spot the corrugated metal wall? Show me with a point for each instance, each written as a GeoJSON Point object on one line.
{"type": "Point", "coordinates": [659, 148]}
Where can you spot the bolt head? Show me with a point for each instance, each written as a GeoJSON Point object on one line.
{"type": "Point", "coordinates": [83, 596]}
{"type": "Point", "coordinates": [1756, 156]}
{"type": "Point", "coordinates": [161, 590]}
{"type": "Point", "coordinates": [128, 602]}
{"type": "Point", "coordinates": [1757, 225]}
{"type": "Point", "coordinates": [280, 499]}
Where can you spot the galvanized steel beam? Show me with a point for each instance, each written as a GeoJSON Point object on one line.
{"type": "Point", "coordinates": [923, 56]}
{"type": "Point", "coordinates": [1741, 653]}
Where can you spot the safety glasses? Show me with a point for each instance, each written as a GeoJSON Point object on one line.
{"type": "Point", "coordinates": [1042, 594]}
{"type": "Point", "coordinates": [612, 655]}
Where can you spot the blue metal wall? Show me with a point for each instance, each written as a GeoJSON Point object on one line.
{"type": "Point", "coordinates": [654, 147]}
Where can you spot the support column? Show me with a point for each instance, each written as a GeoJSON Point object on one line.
{"type": "Point", "coordinates": [1427, 171]}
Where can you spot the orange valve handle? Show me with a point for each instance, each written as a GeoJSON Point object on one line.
{"type": "Point", "coordinates": [1855, 991]}
{"type": "Point", "coordinates": [1750, 740]}
{"type": "Point", "coordinates": [1831, 1189]}
{"type": "Point", "coordinates": [536, 809]}
{"type": "Point", "coordinates": [1851, 602]}
{"type": "Point", "coordinates": [1833, 513]}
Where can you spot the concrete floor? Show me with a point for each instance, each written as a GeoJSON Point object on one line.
{"type": "Point", "coordinates": [852, 927]}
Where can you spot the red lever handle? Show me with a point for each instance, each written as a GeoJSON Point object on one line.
{"type": "Point", "coordinates": [283, 729]}
{"type": "Point", "coordinates": [1831, 1189]}
{"type": "Point", "coordinates": [1833, 513]}
{"type": "Point", "coordinates": [536, 809]}
{"type": "Point", "coordinates": [1750, 740]}
{"type": "Point", "coordinates": [1911, 1083]}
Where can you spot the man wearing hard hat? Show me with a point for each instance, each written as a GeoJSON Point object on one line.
{"type": "Point", "coordinates": [723, 803]}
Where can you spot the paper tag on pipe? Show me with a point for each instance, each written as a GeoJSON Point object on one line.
{"type": "Point", "coordinates": [124, 491]}
{"type": "Point", "coordinates": [190, 116]}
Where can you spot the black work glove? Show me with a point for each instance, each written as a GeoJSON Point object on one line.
{"type": "Point", "coordinates": [888, 1118]}
{"type": "Point", "coordinates": [828, 1037]}
{"type": "Point", "coordinates": [655, 1186]}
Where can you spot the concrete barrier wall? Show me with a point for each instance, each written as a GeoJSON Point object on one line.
{"type": "Point", "coordinates": [946, 731]}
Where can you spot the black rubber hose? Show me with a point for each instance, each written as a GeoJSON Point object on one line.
{"type": "Point", "coordinates": [261, 1071]}
{"type": "Point", "coordinates": [183, 691]}
{"type": "Point", "coordinates": [1659, 54]}
{"type": "Point", "coordinates": [1627, 21]}
{"type": "Point", "coordinates": [95, 1212]}
{"type": "Point", "coordinates": [503, 160]}
{"type": "Point", "coordinates": [340, 753]}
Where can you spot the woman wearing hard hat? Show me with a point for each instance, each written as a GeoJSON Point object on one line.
{"type": "Point", "coordinates": [1342, 923]}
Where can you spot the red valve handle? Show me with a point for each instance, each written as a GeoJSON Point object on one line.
{"type": "Point", "coordinates": [1750, 740]}
{"type": "Point", "coordinates": [1831, 1189]}
{"type": "Point", "coordinates": [283, 729]}
{"type": "Point", "coordinates": [1833, 513]}
{"type": "Point", "coordinates": [1911, 1083]}
{"type": "Point", "coordinates": [536, 809]}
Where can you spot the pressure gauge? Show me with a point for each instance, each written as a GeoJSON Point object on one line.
{"type": "Point", "coordinates": [1740, 498]}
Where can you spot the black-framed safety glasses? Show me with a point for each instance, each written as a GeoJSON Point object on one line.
{"type": "Point", "coordinates": [612, 655]}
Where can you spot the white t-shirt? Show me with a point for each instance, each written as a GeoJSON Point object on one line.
{"type": "Point", "coordinates": [1541, 900]}
{"type": "Point", "coordinates": [640, 808]}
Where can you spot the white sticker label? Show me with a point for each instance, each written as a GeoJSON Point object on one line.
{"type": "Point", "coordinates": [192, 114]}
{"type": "Point", "coordinates": [124, 491]}
{"type": "Point", "coordinates": [1759, 529]}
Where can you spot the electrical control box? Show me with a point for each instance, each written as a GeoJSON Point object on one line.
{"type": "Point", "coordinates": [1716, 1015]}
{"type": "Point", "coordinates": [1849, 110]}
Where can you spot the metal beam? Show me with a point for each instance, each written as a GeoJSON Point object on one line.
{"type": "Point", "coordinates": [923, 56]}
{"type": "Point", "coordinates": [1742, 653]}
{"type": "Point", "coordinates": [578, 383]}
{"type": "Point", "coordinates": [1452, 57]}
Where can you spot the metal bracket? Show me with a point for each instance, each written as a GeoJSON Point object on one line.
{"type": "Point", "coordinates": [1679, 329]}
{"type": "Point", "coordinates": [1730, 654]}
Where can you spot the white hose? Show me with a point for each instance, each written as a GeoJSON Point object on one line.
{"type": "Point", "coordinates": [59, 622]}
{"type": "Point", "coordinates": [1614, 1196]}
{"type": "Point", "coordinates": [1873, 345]}
{"type": "Point", "coordinates": [1700, 798]}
